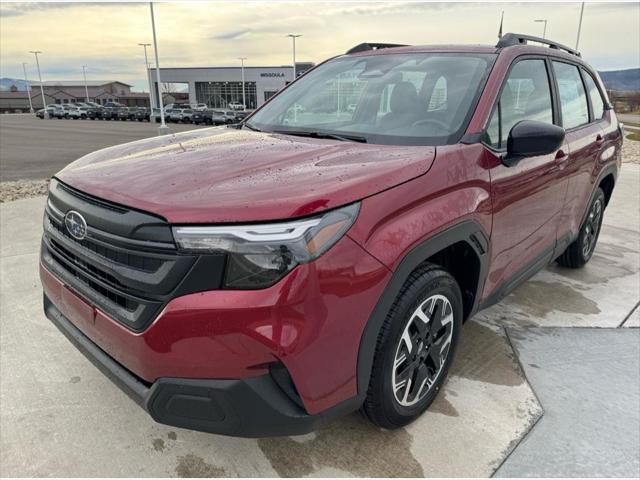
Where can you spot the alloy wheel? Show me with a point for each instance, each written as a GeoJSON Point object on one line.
{"type": "Point", "coordinates": [422, 350]}
{"type": "Point", "coordinates": [591, 229]}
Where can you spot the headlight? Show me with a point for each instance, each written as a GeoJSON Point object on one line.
{"type": "Point", "coordinates": [260, 255]}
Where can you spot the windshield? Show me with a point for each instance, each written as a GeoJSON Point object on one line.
{"type": "Point", "coordinates": [415, 98]}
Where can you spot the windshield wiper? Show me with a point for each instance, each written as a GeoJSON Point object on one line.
{"type": "Point", "coordinates": [245, 124]}
{"type": "Point", "coordinates": [332, 136]}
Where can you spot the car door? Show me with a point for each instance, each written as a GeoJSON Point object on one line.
{"type": "Point", "coordinates": [527, 197]}
{"type": "Point", "coordinates": [585, 137]}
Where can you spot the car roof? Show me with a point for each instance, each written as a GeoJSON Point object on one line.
{"type": "Point", "coordinates": [510, 51]}
{"type": "Point", "coordinates": [427, 49]}
{"type": "Point", "coordinates": [512, 44]}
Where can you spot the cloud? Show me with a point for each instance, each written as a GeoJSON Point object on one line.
{"type": "Point", "coordinates": [232, 35]}
{"type": "Point", "coordinates": [388, 8]}
{"type": "Point", "coordinates": [16, 9]}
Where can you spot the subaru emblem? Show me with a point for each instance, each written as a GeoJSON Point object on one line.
{"type": "Point", "coordinates": [76, 225]}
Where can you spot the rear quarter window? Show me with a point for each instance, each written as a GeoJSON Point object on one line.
{"type": "Point", "coordinates": [597, 104]}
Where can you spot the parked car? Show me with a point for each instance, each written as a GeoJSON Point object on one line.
{"type": "Point", "coordinates": [209, 117]}
{"type": "Point", "coordinates": [236, 106]}
{"type": "Point", "coordinates": [111, 111]}
{"type": "Point", "coordinates": [95, 112]}
{"type": "Point", "coordinates": [199, 116]}
{"type": "Point", "coordinates": [76, 112]}
{"type": "Point", "coordinates": [172, 106]}
{"type": "Point", "coordinates": [124, 113]}
{"type": "Point", "coordinates": [60, 111]}
{"type": "Point", "coordinates": [239, 116]}
{"type": "Point", "coordinates": [180, 115]}
{"type": "Point", "coordinates": [143, 115]}
{"type": "Point", "coordinates": [107, 113]}
{"type": "Point", "coordinates": [230, 116]}
{"type": "Point", "coordinates": [260, 280]}
{"type": "Point", "coordinates": [50, 109]}
{"type": "Point", "coordinates": [198, 107]}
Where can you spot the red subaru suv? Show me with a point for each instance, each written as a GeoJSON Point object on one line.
{"type": "Point", "coordinates": [322, 256]}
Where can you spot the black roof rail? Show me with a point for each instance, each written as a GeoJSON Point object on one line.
{"type": "Point", "coordinates": [363, 47]}
{"type": "Point", "coordinates": [510, 39]}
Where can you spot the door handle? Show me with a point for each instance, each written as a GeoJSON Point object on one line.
{"type": "Point", "coordinates": [599, 139]}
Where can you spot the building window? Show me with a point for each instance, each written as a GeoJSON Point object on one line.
{"type": "Point", "coordinates": [221, 94]}
{"type": "Point", "coordinates": [268, 94]}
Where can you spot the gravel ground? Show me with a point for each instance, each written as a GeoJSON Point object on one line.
{"type": "Point", "coordinates": [18, 189]}
{"type": "Point", "coordinates": [631, 151]}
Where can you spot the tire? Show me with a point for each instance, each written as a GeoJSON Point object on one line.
{"type": "Point", "coordinates": [581, 250]}
{"type": "Point", "coordinates": [429, 288]}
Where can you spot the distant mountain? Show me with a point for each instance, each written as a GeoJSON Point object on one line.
{"type": "Point", "coordinates": [622, 80]}
{"type": "Point", "coordinates": [7, 83]}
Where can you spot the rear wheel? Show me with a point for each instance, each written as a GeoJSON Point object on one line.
{"type": "Point", "coordinates": [581, 250]}
{"type": "Point", "coordinates": [415, 348]}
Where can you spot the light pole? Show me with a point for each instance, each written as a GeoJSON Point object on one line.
{"type": "Point", "coordinates": [293, 37]}
{"type": "Point", "coordinates": [45, 114]}
{"type": "Point", "coordinates": [543, 20]}
{"type": "Point", "coordinates": [162, 129]}
{"type": "Point", "coordinates": [26, 80]}
{"type": "Point", "coordinates": [146, 69]}
{"type": "Point", "coordinates": [86, 88]}
{"type": "Point", "coordinates": [579, 25]}
{"type": "Point", "coordinates": [244, 100]}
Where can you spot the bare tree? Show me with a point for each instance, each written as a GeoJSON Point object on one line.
{"type": "Point", "coordinates": [168, 87]}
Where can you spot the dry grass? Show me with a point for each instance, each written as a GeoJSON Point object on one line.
{"type": "Point", "coordinates": [633, 136]}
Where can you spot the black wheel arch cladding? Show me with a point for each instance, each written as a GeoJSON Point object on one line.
{"type": "Point", "coordinates": [468, 235]}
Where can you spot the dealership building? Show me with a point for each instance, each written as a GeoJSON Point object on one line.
{"type": "Point", "coordinates": [219, 86]}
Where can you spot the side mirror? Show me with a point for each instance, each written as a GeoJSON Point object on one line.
{"type": "Point", "coordinates": [529, 138]}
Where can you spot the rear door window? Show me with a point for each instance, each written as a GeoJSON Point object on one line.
{"type": "Point", "coordinates": [573, 98]}
{"type": "Point", "coordinates": [526, 95]}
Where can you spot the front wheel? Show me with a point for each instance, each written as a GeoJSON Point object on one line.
{"type": "Point", "coordinates": [581, 250]}
{"type": "Point", "coordinates": [415, 348]}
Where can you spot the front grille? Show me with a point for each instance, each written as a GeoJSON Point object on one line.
{"type": "Point", "coordinates": [127, 265]}
{"type": "Point", "coordinates": [127, 258]}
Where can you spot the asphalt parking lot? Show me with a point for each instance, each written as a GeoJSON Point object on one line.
{"type": "Point", "coordinates": [33, 148]}
{"type": "Point", "coordinates": [545, 383]}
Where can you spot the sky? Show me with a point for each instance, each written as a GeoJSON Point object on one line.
{"type": "Point", "coordinates": [104, 36]}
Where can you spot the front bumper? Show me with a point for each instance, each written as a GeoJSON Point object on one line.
{"type": "Point", "coordinates": [252, 407]}
{"type": "Point", "coordinates": [310, 322]}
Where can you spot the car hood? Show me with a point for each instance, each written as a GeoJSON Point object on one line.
{"type": "Point", "coordinates": [219, 175]}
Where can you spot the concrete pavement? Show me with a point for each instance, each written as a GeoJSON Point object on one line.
{"type": "Point", "coordinates": [60, 417]}
{"type": "Point", "coordinates": [587, 382]}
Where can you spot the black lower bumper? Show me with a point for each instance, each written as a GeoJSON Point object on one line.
{"type": "Point", "coordinates": [253, 407]}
